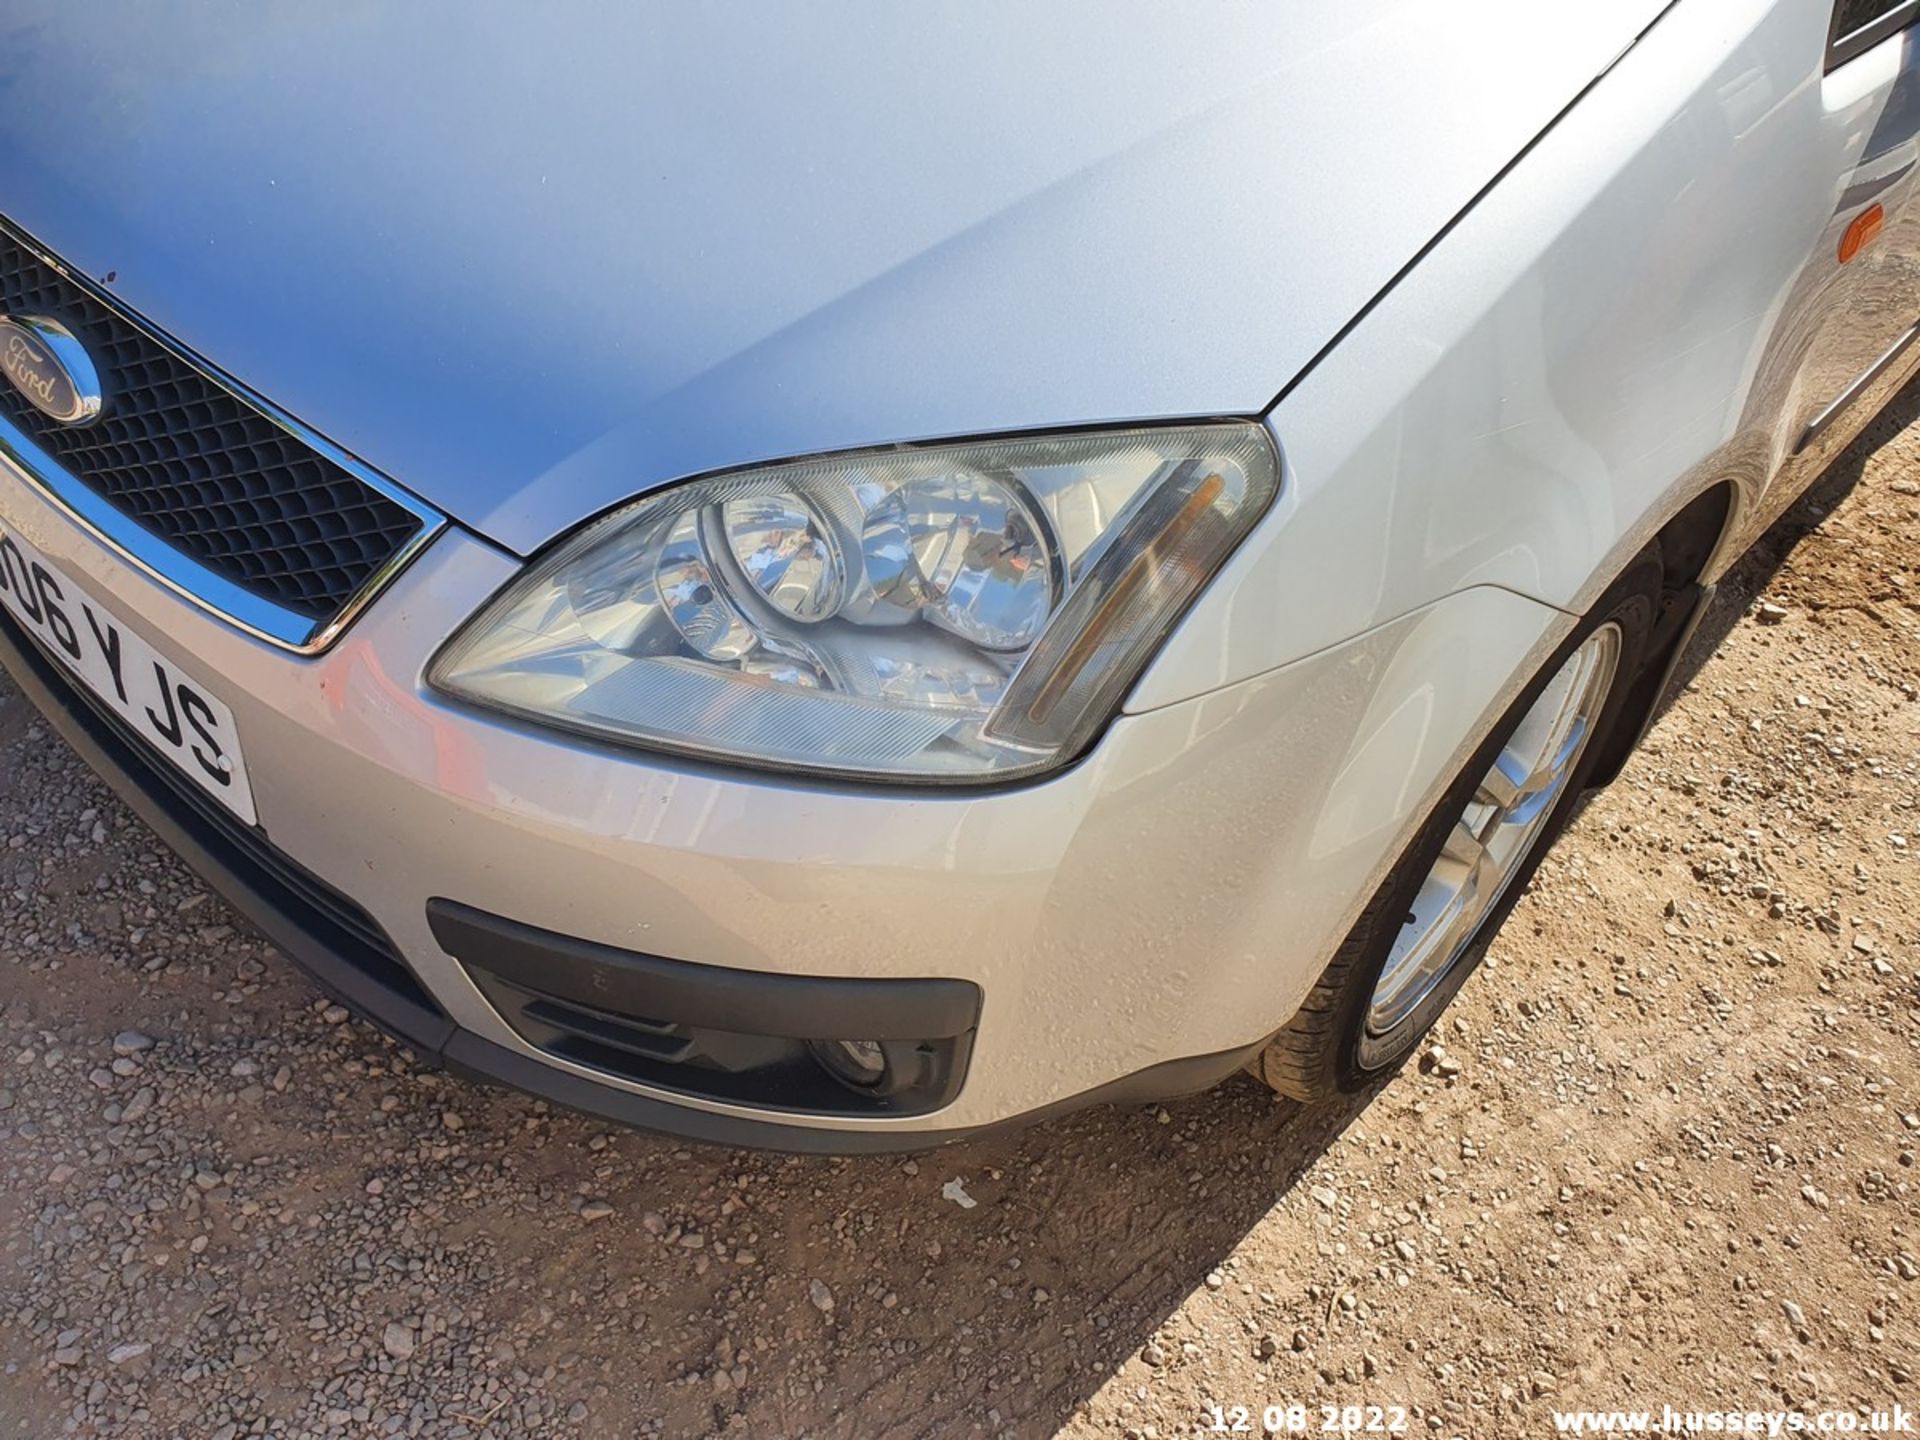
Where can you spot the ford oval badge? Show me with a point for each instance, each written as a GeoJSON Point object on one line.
{"type": "Point", "coordinates": [47, 364]}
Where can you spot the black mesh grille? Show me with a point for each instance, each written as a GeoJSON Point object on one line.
{"type": "Point", "coordinates": [198, 467]}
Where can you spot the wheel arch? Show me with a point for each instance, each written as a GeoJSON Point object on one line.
{"type": "Point", "coordinates": [1691, 545]}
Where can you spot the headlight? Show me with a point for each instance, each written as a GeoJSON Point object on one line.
{"type": "Point", "coordinates": [951, 613]}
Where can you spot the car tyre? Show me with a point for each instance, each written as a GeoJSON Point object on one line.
{"type": "Point", "coordinates": [1350, 1032]}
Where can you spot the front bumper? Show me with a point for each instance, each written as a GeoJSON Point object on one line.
{"type": "Point", "coordinates": [355, 967]}
{"type": "Point", "coordinates": [1132, 928]}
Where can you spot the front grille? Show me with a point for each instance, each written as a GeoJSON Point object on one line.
{"type": "Point", "coordinates": [198, 467]}
{"type": "Point", "coordinates": [322, 912]}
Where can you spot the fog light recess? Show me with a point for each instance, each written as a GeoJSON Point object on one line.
{"type": "Point", "coordinates": [861, 1064]}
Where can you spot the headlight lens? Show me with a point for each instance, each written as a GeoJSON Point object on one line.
{"type": "Point", "coordinates": [952, 613]}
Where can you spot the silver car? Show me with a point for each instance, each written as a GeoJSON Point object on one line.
{"type": "Point", "coordinates": [833, 576]}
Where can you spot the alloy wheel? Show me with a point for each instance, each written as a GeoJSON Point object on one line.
{"type": "Point", "coordinates": [1491, 839]}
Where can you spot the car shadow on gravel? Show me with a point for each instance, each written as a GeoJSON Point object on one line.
{"type": "Point", "coordinates": [992, 1286]}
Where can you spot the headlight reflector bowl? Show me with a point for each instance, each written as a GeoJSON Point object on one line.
{"type": "Point", "coordinates": [787, 552]}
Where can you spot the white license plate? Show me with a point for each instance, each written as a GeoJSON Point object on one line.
{"type": "Point", "coordinates": [171, 711]}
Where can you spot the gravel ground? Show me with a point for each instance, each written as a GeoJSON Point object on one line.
{"type": "Point", "coordinates": [1665, 1153]}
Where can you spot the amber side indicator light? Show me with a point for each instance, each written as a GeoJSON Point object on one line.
{"type": "Point", "coordinates": [1864, 230]}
